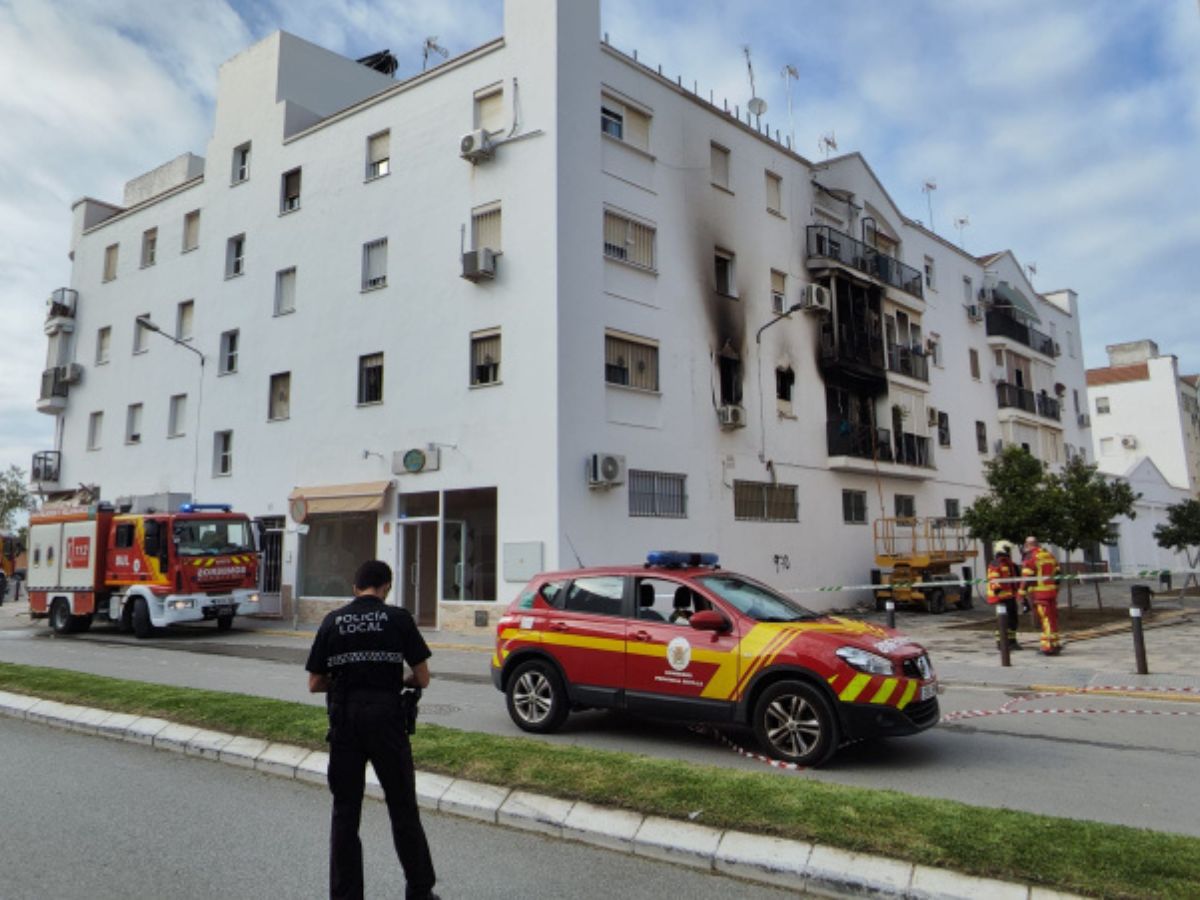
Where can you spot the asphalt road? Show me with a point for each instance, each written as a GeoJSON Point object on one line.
{"type": "Point", "coordinates": [1120, 766]}
{"type": "Point", "coordinates": [190, 828]}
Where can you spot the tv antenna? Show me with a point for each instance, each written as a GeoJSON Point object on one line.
{"type": "Point", "coordinates": [927, 189]}
{"type": "Point", "coordinates": [757, 104]}
{"type": "Point", "coordinates": [789, 75]}
{"type": "Point", "coordinates": [827, 142]}
{"type": "Point", "coordinates": [1030, 270]}
{"type": "Point", "coordinates": [431, 46]}
{"type": "Point", "coordinates": [961, 223]}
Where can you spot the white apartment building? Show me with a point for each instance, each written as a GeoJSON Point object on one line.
{"type": "Point", "coordinates": [521, 310]}
{"type": "Point", "coordinates": [1142, 407]}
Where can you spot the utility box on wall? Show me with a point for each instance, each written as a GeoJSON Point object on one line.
{"type": "Point", "coordinates": [522, 560]}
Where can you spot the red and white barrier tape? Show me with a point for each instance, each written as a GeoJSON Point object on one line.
{"type": "Point", "coordinates": [742, 751]}
{"type": "Point", "coordinates": [1010, 707]}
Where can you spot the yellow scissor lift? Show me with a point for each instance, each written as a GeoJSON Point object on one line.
{"type": "Point", "coordinates": [912, 551]}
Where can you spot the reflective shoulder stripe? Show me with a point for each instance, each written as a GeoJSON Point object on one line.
{"type": "Point", "coordinates": [365, 656]}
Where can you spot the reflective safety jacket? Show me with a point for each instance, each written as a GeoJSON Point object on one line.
{"type": "Point", "coordinates": [1039, 568]}
{"type": "Point", "coordinates": [997, 590]}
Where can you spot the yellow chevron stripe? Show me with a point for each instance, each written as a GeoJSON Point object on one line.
{"type": "Point", "coordinates": [748, 649]}
{"type": "Point", "coordinates": [909, 690]}
{"type": "Point", "coordinates": [885, 690]}
{"type": "Point", "coordinates": [851, 691]}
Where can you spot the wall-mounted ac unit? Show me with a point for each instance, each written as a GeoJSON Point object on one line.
{"type": "Point", "coordinates": [479, 265]}
{"type": "Point", "coordinates": [974, 313]}
{"type": "Point", "coordinates": [817, 298]}
{"type": "Point", "coordinates": [1129, 442]}
{"type": "Point", "coordinates": [1085, 420]}
{"type": "Point", "coordinates": [71, 373]}
{"type": "Point", "coordinates": [476, 146]}
{"type": "Point", "coordinates": [605, 470]}
{"type": "Point", "coordinates": [416, 460]}
{"type": "Point", "coordinates": [731, 416]}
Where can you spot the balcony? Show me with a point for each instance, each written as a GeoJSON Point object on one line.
{"type": "Point", "coordinates": [1009, 396]}
{"type": "Point", "coordinates": [855, 350]}
{"type": "Point", "coordinates": [60, 311]}
{"type": "Point", "coordinates": [46, 466]}
{"type": "Point", "coordinates": [56, 382]}
{"type": "Point", "coordinates": [908, 361]}
{"type": "Point", "coordinates": [825, 243]}
{"type": "Point", "coordinates": [869, 450]}
{"type": "Point", "coordinates": [1001, 324]}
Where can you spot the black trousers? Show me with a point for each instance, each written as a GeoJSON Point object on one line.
{"type": "Point", "coordinates": [370, 728]}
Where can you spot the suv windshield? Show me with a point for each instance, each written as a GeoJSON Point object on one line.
{"type": "Point", "coordinates": [211, 537]}
{"type": "Point", "coordinates": [756, 600]}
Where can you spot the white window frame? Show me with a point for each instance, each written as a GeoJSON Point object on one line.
{"type": "Point", "coordinates": [191, 231]}
{"type": "Point", "coordinates": [103, 345]}
{"type": "Point", "coordinates": [720, 166]}
{"type": "Point", "coordinates": [629, 248]}
{"type": "Point", "coordinates": [139, 334]}
{"type": "Point", "coordinates": [149, 247]}
{"type": "Point", "coordinates": [176, 413]}
{"type": "Point", "coordinates": [240, 169]}
{"type": "Point", "coordinates": [289, 200]}
{"type": "Point", "coordinates": [133, 423]}
{"type": "Point", "coordinates": [372, 267]}
{"type": "Point", "coordinates": [95, 429]}
{"type": "Point", "coordinates": [625, 122]}
{"type": "Point", "coordinates": [185, 320]}
{"type": "Point", "coordinates": [285, 291]}
{"type": "Point", "coordinates": [488, 365]}
{"type": "Point", "coordinates": [657, 495]}
{"type": "Point", "coordinates": [624, 352]}
{"type": "Point", "coordinates": [730, 260]}
{"type": "Point", "coordinates": [112, 254]}
{"type": "Point", "coordinates": [1103, 406]}
{"type": "Point", "coordinates": [487, 227]}
{"type": "Point", "coordinates": [227, 359]}
{"type": "Point", "coordinates": [279, 397]}
{"type": "Point", "coordinates": [489, 108]}
{"type": "Point", "coordinates": [778, 292]}
{"type": "Point", "coordinates": [379, 165]}
{"type": "Point", "coordinates": [365, 362]}
{"type": "Point", "coordinates": [235, 256]}
{"type": "Point", "coordinates": [856, 514]}
{"type": "Point", "coordinates": [223, 453]}
{"type": "Point", "coordinates": [774, 185]}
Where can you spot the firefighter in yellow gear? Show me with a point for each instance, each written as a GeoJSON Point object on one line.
{"type": "Point", "coordinates": [1039, 571]}
{"type": "Point", "coordinates": [1002, 588]}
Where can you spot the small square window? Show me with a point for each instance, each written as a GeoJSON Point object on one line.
{"type": "Point", "coordinates": [184, 320]}
{"type": "Point", "coordinates": [103, 344]}
{"type": "Point", "coordinates": [289, 191]}
{"type": "Point", "coordinates": [149, 246]}
{"type": "Point", "coordinates": [379, 155]}
{"type": "Point", "coordinates": [228, 362]}
{"type": "Point", "coordinates": [370, 378]}
{"type": "Point", "coordinates": [624, 123]}
{"type": "Point", "coordinates": [279, 398]}
{"type": "Point", "coordinates": [628, 241]}
{"type": "Point", "coordinates": [235, 256]}
{"type": "Point", "coordinates": [110, 261]}
{"type": "Point", "coordinates": [719, 166]}
{"type": "Point", "coordinates": [906, 506]}
{"type": "Point", "coordinates": [374, 270]}
{"type": "Point", "coordinates": [241, 164]}
{"type": "Point", "coordinates": [612, 120]}
{"type": "Point", "coordinates": [222, 453]}
{"type": "Point", "coordinates": [630, 361]}
{"type": "Point", "coordinates": [1102, 406]}
{"type": "Point", "coordinates": [191, 230]}
{"type": "Point", "coordinates": [952, 509]}
{"type": "Point", "coordinates": [133, 424]}
{"type": "Point", "coordinates": [485, 358]}
{"type": "Point", "coordinates": [659, 494]}
{"type": "Point", "coordinates": [285, 291]}
{"type": "Point", "coordinates": [854, 507]}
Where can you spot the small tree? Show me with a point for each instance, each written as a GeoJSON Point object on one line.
{"type": "Point", "coordinates": [14, 496]}
{"type": "Point", "coordinates": [1016, 504]}
{"type": "Point", "coordinates": [1085, 503]}
{"type": "Point", "coordinates": [1181, 533]}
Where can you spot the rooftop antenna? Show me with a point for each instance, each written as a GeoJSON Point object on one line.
{"type": "Point", "coordinates": [827, 142]}
{"type": "Point", "coordinates": [432, 46]}
{"type": "Point", "coordinates": [757, 105]}
{"type": "Point", "coordinates": [789, 75]}
{"type": "Point", "coordinates": [961, 223]}
{"type": "Point", "coordinates": [927, 189]}
{"type": "Point", "coordinates": [1030, 270]}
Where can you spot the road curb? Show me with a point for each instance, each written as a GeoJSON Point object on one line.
{"type": "Point", "coordinates": [796, 865]}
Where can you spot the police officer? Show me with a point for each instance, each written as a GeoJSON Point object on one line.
{"type": "Point", "coordinates": [358, 658]}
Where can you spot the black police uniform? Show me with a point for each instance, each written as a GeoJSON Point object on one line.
{"type": "Point", "coordinates": [362, 648]}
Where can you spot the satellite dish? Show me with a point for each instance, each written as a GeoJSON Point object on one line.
{"type": "Point", "coordinates": [757, 106]}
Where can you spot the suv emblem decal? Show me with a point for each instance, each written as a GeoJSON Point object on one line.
{"type": "Point", "coordinates": [679, 653]}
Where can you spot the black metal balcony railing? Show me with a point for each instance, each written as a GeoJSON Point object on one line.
{"type": "Point", "coordinates": [1009, 396]}
{"type": "Point", "coordinates": [1001, 324]}
{"type": "Point", "coordinates": [908, 361]}
{"type": "Point", "coordinates": [854, 342]}
{"type": "Point", "coordinates": [62, 303]}
{"type": "Point", "coordinates": [829, 243]}
{"type": "Point", "coordinates": [46, 465]}
{"type": "Point", "coordinates": [862, 441]}
{"type": "Point", "coordinates": [54, 384]}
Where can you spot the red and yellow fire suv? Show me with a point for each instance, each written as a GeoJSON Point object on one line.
{"type": "Point", "coordinates": [141, 570]}
{"type": "Point", "coordinates": [681, 638]}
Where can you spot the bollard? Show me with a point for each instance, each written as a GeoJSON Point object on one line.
{"type": "Point", "coordinates": [1139, 641]}
{"type": "Point", "coordinates": [891, 613]}
{"type": "Point", "coordinates": [1002, 626]}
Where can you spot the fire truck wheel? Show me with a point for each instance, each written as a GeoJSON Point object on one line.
{"type": "Point", "coordinates": [537, 701]}
{"type": "Point", "coordinates": [793, 722]}
{"type": "Point", "coordinates": [224, 623]}
{"type": "Point", "coordinates": [937, 602]}
{"type": "Point", "coordinates": [61, 619]}
{"type": "Point", "coordinates": [140, 618]}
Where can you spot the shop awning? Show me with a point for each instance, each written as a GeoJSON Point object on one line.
{"type": "Point", "coordinates": [366, 496]}
{"type": "Point", "coordinates": [1007, 295]}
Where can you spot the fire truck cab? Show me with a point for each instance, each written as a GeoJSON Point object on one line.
{"type": "Point", "coordinates": [141, 571]}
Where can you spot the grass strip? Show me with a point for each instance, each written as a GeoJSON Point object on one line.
{"type": "Point", "coordinates": [1093, 858]}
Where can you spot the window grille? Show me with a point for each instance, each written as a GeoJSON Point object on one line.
{"type": "Point", "coordinates": [485, 358]}
{"type": "Point", "coordinates": [658, 494]}
{"type": "Point", "coordinates": [375, 264]}
{"type": "Point", "coordinates": [765, 502]}
{"type": "Point", "coordinates": [370, 378]}
{"type": "Point", "coordinates": [485, 228]}
{"type": "Point", "coordinates": [629, 241]}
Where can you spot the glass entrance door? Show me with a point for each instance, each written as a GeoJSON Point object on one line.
{"type": "Point", "coordinates": [417, 587]}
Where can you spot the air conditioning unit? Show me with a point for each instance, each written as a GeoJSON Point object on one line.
{"type": "Point", "coordinates": [974, 313]}
{"type": "Point", "coordinates": [999, 374]}
{"type": "Point", "coordinates": [731, 416]}
{"type": "Point", "coordinates": [70, 374]}
{"type": "Point", "coordinates": [476, 146]}
{"type": "Point", "coordinates": [817, 297]}
{"type": "Point", "coordinates": [479, 265]}
{"type": "Point", "coordinates": [1129, 442]}
{"type": "Point", "coordinates": [1085, 420]}
{"type": "Point", "coordinates": [416, 460]}
{"type": "Point", "coordinates": [605, 470]}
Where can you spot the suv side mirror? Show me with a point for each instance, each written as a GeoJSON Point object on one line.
{"type": "Point", "coordinates": [709, 620]}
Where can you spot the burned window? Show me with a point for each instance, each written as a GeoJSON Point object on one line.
{"type": "Point", "coordinates": [729, 367]}
{"type": "Point", "coordinates": [785, 380]}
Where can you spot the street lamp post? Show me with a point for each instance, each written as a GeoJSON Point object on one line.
{"type": "Point", "coordinates": [144, 322]}
{"type": "Point", "coordinates": [762, 425]}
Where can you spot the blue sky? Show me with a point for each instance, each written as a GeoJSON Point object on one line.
{"type": "Point", "coordinates": [1067, 131]}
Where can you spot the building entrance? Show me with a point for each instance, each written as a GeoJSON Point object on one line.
{"type": "Point", "coordinates": [417, 570]}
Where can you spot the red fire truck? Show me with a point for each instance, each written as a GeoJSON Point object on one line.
{"type": "Point", "coordinates": [142, 570]}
